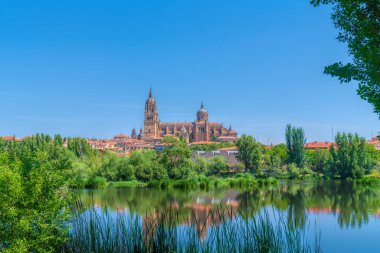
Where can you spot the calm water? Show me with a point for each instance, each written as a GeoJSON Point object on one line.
{"type": "Point", "coordinates": [345, 216]}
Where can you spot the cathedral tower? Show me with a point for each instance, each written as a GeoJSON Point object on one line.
{"type": "Point", "coordinates": [202, 127]}
{"type": "Point", "coordinates": [150, 119]}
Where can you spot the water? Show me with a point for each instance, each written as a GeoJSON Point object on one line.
{"type": "Point", "coordinates": [343, 215]}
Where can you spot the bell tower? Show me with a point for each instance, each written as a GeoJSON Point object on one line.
{"type": "Point", "coordinates": [150, 118]}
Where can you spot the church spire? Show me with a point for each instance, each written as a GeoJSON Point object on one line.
{"type": "Point", "coordinates": [150, 92]}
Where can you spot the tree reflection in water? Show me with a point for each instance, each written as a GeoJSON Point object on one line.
{"type": "Point", "coordinates": [352, 205]}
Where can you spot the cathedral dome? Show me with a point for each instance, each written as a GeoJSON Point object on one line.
{"type": "Point", "coordinates": [202, 114]}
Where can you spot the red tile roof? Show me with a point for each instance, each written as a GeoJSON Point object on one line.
{"type": "Point", "coordinates": [319, 145]}
{"type": "Point", "coordinates": [229, 148]}
{"type": "Point", "coordinates": [8, 138]}
{"type": "Point", "coordinates": [202, 142]}
{"type": "Point", "coordinates": [374, 141]}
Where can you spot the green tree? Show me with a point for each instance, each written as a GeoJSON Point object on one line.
{"type": "Point", "coordinates": [200, 164]}
{"type": "Point", "coordinates": [125, 170]}
{"type": "Point", "coordinates": [144, 163]}
{"type": "Point", "coordinates": [79, 146]}
{"type": "Point", "coordinates": [280, 150]}
{"type": "Point", "coordinates": [295, 142]}
{"type": "Point", "coordinates": [110, 166]}
{"type": "Point", "coordinates": [34, 207]}
{"type": "Point", "coordinates": [358, 22]}
{"type": "Point", "coordinates": [176, 157]}
{"type": "Point", "coordinates": [318, 159]}
{"type": "Point", "coordinates": [351, 157]}
{"type": "Point", "coordinates": [250, 153]}
{"type": "Point", "coordinates": [275, 158]}
{"type": "Point", "coordinates": [216, 165]}
{"type": "Point", "coordinates": [58, 140]}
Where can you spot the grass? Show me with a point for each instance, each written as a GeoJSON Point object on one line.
{"type": "Point", "coordinates": [127, 184]}
{"type": "Point", "coordinates": [367, 181]}
{"type": "Point", "coordinates": [223, 230]}
{"type": "Point", "coordinates": [370, 179]}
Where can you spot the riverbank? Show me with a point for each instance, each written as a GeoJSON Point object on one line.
{"type": "Point", "coordinates": [240, 180]}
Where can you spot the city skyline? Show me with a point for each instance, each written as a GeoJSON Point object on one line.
{"type": "Point", "coordinates": [256, 66]}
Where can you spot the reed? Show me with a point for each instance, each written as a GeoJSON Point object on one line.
{"type": "Point", "coordinates": [223, 230]}
{"type": "Point", "coordinates": [204, 183]}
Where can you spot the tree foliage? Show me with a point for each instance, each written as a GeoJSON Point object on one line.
{"type": "Point", "coordinates": [33, 208]}
{"type": "Point", "coordinates": [352, 157]}
{"type": "Point", "coordinates": [176, 157]}
{"type": "Point", "coordinates": [358, 22]}
{"type": "Point", "coordinates": [250, 153]}
{"type": "Point", "coordinates": [295, 142]}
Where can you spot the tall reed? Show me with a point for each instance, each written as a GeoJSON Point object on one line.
{"type": "Point", "coordinates": [222, 230]}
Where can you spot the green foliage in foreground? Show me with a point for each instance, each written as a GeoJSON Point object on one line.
{"type": "Point", "coordinates": [170, 231]}
{"type": "Point", "coordinates": [359, 26]}
{"type": "Point", "coordinates": [33, 209]}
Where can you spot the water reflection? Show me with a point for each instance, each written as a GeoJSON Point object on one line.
{"type": "Point", "coordinates": [352, 206]}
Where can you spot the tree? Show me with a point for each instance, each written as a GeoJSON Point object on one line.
{"type": "Point", "coordinates": [295, 142]}
{"type": "Point", "coordinates": [319, 159]}
{"type": "Point", "coordinates": [276, 158]}
{"type": "Point", "coordinates": [110, 166]}
{"type": "Point", "coordinates": [143, 163]}
{"type": "Point", "coordinates": [200, 164]}
{"type": "Point", "coordinates": [216, 165]}
{"type": "Point", "coordinates": [359, 24]}
{"type": "Point", "coordinates": [351, 157]}
{"type": "Point", "coordinates": [176, 157]}
{"type": "Point", "coordinates": [58, 140]}
{"type": "Point", "coordinates": [125, 170]}
{"type": "Point", "coordinates": [280, 151]}
{"type": "Point", "coordinates": [250, 153]}
{"type": "Point", "coordinates": [79, 146]}
{"type": "Point", "coordinates": [33, 210]}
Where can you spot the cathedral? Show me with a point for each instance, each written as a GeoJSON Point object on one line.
{"type": "Point", "coordinates": [199, 130]}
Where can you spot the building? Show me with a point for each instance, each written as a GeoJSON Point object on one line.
{"type": "Point", "coordinates": [375, 142]}
{"type": "Point", "coordinates": [315, 145]}
{"type": "Point", "coordinates": [199, 130]}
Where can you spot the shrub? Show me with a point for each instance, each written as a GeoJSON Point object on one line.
{"type": "Point", "coordinates": [185, 184]}
{"type": "Point", "coordinates": [126, 171]}
{"type": "Point", "coordinates": [96, 182]}
{"type": "Point", "coordinates": [293, 171]}
{"type": "Point", "coordinates": [216, 165]}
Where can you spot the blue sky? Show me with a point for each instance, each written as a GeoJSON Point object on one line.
{"type": "Point", "coordinates": [83, 68]}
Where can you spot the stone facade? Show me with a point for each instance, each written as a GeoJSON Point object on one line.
{"type": "Point", "coordinates": [199, 130]}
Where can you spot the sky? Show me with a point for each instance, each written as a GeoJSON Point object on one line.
{"type": "Point", "coordinates": [84, 68]}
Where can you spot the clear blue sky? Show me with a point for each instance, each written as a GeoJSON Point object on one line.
{"type": "Point", "coordinates": [83, 68]}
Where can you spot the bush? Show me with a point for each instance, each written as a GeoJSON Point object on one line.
{"type": "Point", "coordinates": [127, 184]}
{"type": "Point", "coordinates": [159, 172]}
{"type": "Point", "coordinates": [293, 171]}
{"type": "Point", "coordinates": [200, 164]}
{"type": "Point", "coordinates": [96, 183]}
{"type": "Point", "coordinates": [216, 165]}
{"type": "Point", "coordinates": [185, 184]}
{"type": "Point", "coordinates": [126, 171]}
{"type": "Point", "coordinates": [77, 183]}
{"type": "Point", "coordinates": [368, 181]}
